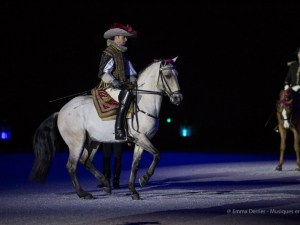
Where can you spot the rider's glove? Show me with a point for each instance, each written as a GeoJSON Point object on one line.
{"type": "Point", "coordinates": [296, 88]}
{"type": "Point", "coordinates": [116, 84]}
{"type": "Point", "coordinates": [286, 87]}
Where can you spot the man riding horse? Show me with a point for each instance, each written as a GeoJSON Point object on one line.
{"type": "Point", "coordinates": [115, 70]}
{"type": "Point", "coordinates": [288, 111]}
{"type": "Point", "coordinates": [292, 91]}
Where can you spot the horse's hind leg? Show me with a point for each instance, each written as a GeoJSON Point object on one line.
{"type": "Point", "coordinates": [87, 160]}
{"type": "Point", "coordinates": [72, 168]}
{"type": "Point", "coordinates": [282, 133]}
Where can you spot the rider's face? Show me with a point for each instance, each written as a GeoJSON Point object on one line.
{"type": "Point", "coordinates": [120, 40]}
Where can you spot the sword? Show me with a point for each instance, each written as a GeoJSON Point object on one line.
{"type": "Point", "coordinates": [68, 96]}
{"type": "Point", "coordinates": [271, 115]}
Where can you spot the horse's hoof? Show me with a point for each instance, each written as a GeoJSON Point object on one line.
{"type": "Point", "coordinates": [87, 196]}
{"type": "Point", "coordinates": [279, 168]}
{"type": "Point", "coordinates": [107, 190]}
{"type": "Point", "coordinates": [143, 181]}
{"type": "Point", "coordinates": [135, 196]}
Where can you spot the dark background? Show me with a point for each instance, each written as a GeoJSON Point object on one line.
{"type": "Point", "coordinates": [232, 64]}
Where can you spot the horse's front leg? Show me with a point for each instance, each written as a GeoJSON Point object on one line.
{"type": "Point", "coordinates": [137, 154]}
{"type": "Point", "coordinates": [297, 148]}
{"type": "Point", "coordinates": [282, 132]}
{"type": "Point", "coordinates": [156, 157]}
{"type": "Point", "coordinates": [145, 178]}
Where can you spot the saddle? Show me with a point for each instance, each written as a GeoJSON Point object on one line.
{"type": "Point", "coordinates": [106, 106]}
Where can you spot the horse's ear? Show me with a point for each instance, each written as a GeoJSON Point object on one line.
{"type": "Point", "coordinates": [174, 59]}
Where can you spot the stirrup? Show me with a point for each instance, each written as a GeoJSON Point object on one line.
{"type": "Point", "coordinates": [130, 139]}
{"type": "Point", "coordinates": [119, 135]}
{"type": "Point", "coordinates": [126, 139]}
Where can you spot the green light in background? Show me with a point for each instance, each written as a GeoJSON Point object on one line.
{"type": "Point", "coordinates": [169, 120]}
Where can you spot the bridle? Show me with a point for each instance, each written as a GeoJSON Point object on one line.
{"type": "Point", "coordinates": [166, 88]}
{"type": "Point", "coordinates": [166, 91]}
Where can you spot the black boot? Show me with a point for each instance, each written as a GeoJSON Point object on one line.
{"type": "Point", "coordinates": [117, 173]}
{"type": "Point", "coordinates": [106, 169]}
{"type": "Point", "coordinates": [124, 103]}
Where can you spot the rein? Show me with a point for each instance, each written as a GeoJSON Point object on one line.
{"type": "Point", "coordinates": [150, 92]}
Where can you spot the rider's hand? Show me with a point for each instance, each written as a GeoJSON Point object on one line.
{"type": "Point", "coordinates": [296, 88]}
{"type": "Point", "coordinates": [286, 87]}
{"type": "Point", "coordinates": [116, 84]}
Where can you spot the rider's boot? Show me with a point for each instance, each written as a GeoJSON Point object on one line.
{"type": "Point", "coordinates": [124, 103]}
{"type": "Point", "coordinates": [117, 173]}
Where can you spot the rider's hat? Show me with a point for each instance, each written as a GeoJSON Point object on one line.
{"type": "Point", "coordinates": [120, 29]}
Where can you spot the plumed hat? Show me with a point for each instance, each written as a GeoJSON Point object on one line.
{"type": "Point", "coordinates": [120, 29]}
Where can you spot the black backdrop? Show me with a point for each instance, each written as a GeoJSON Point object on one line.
{"type": "Point", "coordinates": [232, 64]}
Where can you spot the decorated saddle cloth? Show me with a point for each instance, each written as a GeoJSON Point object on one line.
{"type": "Point", "coordinates": [105, 105]}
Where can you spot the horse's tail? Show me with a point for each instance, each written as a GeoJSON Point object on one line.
{"type": "Point", "coordinates": [45, 142]}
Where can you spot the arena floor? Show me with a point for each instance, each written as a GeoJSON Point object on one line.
{"type": "Point", "coordinates": [187, 188]}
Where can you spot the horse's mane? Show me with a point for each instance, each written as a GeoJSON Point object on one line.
{"type": "Point", "coordinates": [142, 72]}
{"type": "Point", "coordinates": [156, 61]}
{"type": "Point", "coordinates": [145, 68]}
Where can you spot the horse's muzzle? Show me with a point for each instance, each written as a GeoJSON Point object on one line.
{"type": "Point", "coordinates": [176, 97]}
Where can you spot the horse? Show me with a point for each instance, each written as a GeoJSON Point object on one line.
{"type": "Point", "coordinates": [288, 120]}
{"type": "Point", "coordinates": [83, 131]}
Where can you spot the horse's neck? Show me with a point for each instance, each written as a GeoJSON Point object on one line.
{"type": "Point", "coordinates": [149, 102]}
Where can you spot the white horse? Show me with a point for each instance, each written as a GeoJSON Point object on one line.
{"type": "Point", "coordinates": [82, 129]}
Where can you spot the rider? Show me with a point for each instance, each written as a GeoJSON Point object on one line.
{"type": "Point", "coordinates": [115, 70]}
{"type": "Point", "coordinates": [292, 78]}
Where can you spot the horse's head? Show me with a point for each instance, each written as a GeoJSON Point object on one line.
{"type": "Point", "coordinates": [168, 81]}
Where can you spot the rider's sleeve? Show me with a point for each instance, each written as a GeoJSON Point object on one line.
{"type": "Point", "coordinates": [129, 69]}
{"type": "Point", "coordinates": [105, 68]}
{"type": "Point", "coordinates": [104, 64]}
{"type": "Point", "coordinates": [107, 77]}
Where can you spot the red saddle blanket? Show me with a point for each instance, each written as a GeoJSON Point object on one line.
{"type": "Point", "coordinates": [106, 106]}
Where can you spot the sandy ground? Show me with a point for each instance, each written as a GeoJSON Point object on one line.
{"type": "Point", "coordinates": [187, 188]}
